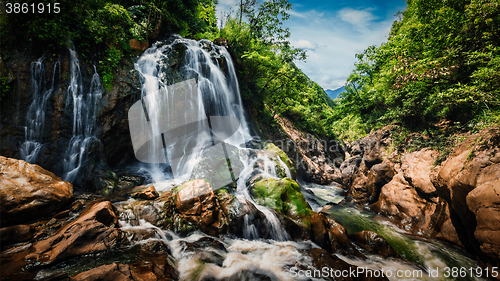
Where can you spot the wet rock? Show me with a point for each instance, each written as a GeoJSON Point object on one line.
{"type": "Point", "coordinates": [29, 192]}
{"type": "Point", "coordinates": [147, 194]}
{"type": "Point", "coordinates": [194, 206]}
{"type": "Point", "coordinates": [283, 157]}
{"type": "Point", "coordinates": [300, 221]}
{"type": "Point", "coordinates": [204, 243]}
{"type": "Point", "coordinates": [323, 259]}
{"type": "Point", "coordinates": [283, 195]}
{"type": "Point", "coordinates": [374, 243]}
{"type": "Point", "coordinates": [93, 231]}
{"type": "Point", "coordinates": [15, 234]}
{"type": "Point", "coordinates": [468, 180]}
{"type": "Point", "coordinates": [112, 271]}
{"type": "Point", "coordinates": [220, 41]}
{"type": "Point", "coordinates": [400, 202]}
{"type": "Point", "coordinates": [315, 160]}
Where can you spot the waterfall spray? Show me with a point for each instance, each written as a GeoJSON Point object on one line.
{"type": "Point", "coordinates": [35, 118]}
{"type": "Point", "coordinates": [85, 106]}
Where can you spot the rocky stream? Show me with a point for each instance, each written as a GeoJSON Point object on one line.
{"type": "Point", "coordinates": [219, 200]}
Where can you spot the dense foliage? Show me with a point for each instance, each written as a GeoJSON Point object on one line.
{"type": "Point", "coordinates": [101, 30]}
{"type": "Point", "coordinates": [439, 65]}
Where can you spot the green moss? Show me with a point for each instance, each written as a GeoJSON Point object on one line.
{"type": "Point", "coordinates": [282, 155]}
{"type": "Point", "coordinates": [283, 195]}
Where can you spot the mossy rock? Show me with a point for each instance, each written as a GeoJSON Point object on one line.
{"type": "Point", "coordinates": [282, 155]}
{"type": "Point", "coordinates": [283, 196]}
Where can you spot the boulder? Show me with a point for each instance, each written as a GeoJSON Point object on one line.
{"type": "Point", "coordinates": [468, 180]}
{"type": "Point", "coordinates": [194, 206]}
{"type": "Point", "coordinates": [400, 202]}
{"type": "Point", "coordinates": [300, 221]}
{"type": "Point", "coordinates": [374, 243]}
{"type": "Point", "coordinates": [93, 231]}
{"type": "Point", "coordinates": [417, 167]}
{"type": "Point", "coordinates": [147, 194]}
{"type": "Point", "coordinates": [282, 195]}
{"type": "Point", "coordinates": [16, 233]}
{"type": "Point", "coordinates": [29, 192]}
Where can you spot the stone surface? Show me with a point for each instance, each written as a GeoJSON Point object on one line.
{"type": "Point", "coordinates": [15, 234]}
{"type": "Point", "coordinates": [29, 192]}
{"type": "Point", "coordinates": [315, 160]}
{"type": "Point", "coordinates": [374, 243]}
{"type": "Point", "coordinates": [93, 231]}
{"type": "Point", "coordinates": [469, 181]}
{"type": "Point", "coordinates": [194, 206]}
{"type": "Point", "coordinates": [417, 167]}
{"type": "Point", "coordinates": [147, 194]}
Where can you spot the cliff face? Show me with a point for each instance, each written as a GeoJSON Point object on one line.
{"type": "Point", "coordinates": [457, 201]}
{"type": "Point", "coordinates": [53, 74]}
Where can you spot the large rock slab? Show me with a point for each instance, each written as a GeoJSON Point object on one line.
{"type": "Point", "coordinates": [417, 167]}
{"type": "Point", "coordinates": [469, 180]}
{"type": "Point", "coordinates": [93, 231]}
{"type": "Point", "coordinates": [30, 192]}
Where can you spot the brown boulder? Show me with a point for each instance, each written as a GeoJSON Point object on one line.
{"type": "Point", "coordinates": [15, 234]}
{"type": "Point", "coordinates": [484, 202]}
{"type": "Point", "coordinates": [417, 168]}
{"type": "Point", "coordinates": [114, 271]}
{"type": "Point", "coordinates": [469, 181]}
{"type": "Point", "coordinates": [29, 192]}
{"type": "Point", "coordinates": [93, 231]}
{"type": "Point", "coordinates": [147, 194]}
{"type": "Point", "coordinates": [401, 202]}
{"type": "Point", "coordinates": [194, 206]}
{"type": "Point", "coordinates": [374, 243]}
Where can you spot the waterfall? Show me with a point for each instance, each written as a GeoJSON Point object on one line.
{"type": "Point", "coordinates": [190, 113]}
{"type": "Point", "coordinates": [191, 102]}
{"type": "Point", "coordinates": [85, 106]}
{"type": "Point", "coordinates": [35, 118]}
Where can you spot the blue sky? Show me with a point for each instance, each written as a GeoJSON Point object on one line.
{"type": "Point", "coordinates": [332, 32]}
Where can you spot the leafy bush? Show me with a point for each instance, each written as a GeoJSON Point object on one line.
{"type": "Point", "coordinates": [440, 62]}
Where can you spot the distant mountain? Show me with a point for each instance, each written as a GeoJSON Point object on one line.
{"type": "Point", "coordinates": [333, 94]}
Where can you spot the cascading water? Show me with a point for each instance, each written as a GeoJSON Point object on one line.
{"type": "Point", "coordinates": [216, 95]}
{"type": "Point", "coordinates": [35, 118]}
{"type": "Point", "coordinates": [167, 106]}
{"type": "Point", "coordinates": [85, 106]}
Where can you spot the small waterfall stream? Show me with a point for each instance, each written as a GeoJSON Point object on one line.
{"type": "Point", "coordinates": [85, 106]}
{"type": "Point", "coordinates": [35, 118]}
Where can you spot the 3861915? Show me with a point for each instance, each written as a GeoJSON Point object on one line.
{"type": "Point", "coordinates": [33, 8]}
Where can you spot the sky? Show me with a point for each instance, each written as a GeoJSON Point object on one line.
{"type": "Point", "coordinates": [332, 32]}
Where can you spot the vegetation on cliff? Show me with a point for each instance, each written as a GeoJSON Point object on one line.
{"type": "Point", "coordinates": [439, 66]}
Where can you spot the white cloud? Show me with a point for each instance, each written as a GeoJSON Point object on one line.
{"type": "Point", "coordinates": [336, 37]}
{"type": "Point", "coordinates": [304, 44]}
{"type": "Point", "coordinates": [297, 14]}
{"type": "Point", "coordinates": [358, 18]}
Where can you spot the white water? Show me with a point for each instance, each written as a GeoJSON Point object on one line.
{"type": "Point", "coordinates": [217, 94]}
{"type": "Point", "coordinates": [35, 118]}
{"type": "Point", "coordinates": [169, 107]}
{"type": "Point", "coordinates": [85, 107]}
